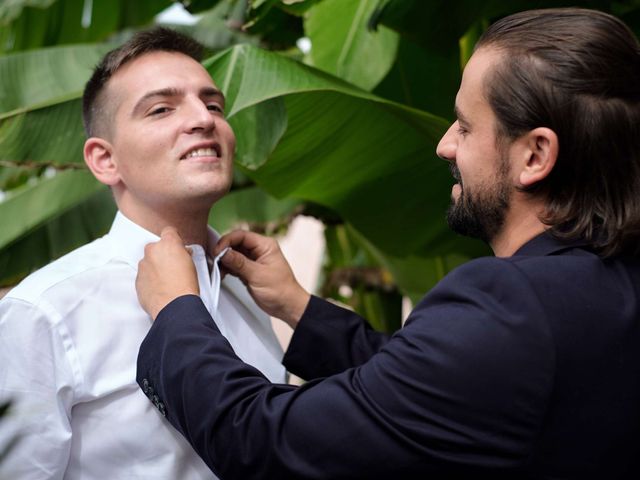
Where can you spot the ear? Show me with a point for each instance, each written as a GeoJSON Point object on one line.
{"type": "Point", "coordinates": [540, 155]}
{"type": "Point", "coordinates": [98, 155]}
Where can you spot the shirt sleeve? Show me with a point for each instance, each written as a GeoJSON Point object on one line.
{"type": "Point", "coordinates": [330, 339]}
{"type": "Point", "coordinates": [460, 390]}
{"type": "Point", "coordinates": [36, 377]}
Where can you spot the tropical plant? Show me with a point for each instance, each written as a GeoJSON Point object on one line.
{"type": "Point", "coordinates": [346, 132]}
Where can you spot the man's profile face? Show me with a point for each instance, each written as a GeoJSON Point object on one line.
{"type": "Point", "coordinates": [171, 143]}
{"type": "Point", "coordinates": [480, 198]}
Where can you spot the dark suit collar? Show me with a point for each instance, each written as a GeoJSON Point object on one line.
{"type": "Point", "coordinates": [547, 244]}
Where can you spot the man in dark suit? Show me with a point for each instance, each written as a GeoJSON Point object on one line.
{"type": "Point", "coordinates": [526, 364]}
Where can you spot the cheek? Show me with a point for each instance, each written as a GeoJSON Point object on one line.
{"type": "Point", "coordinates": [477, 163]}
{"type": "Point", "coordinates": [226, 133]}
{"type": "Point", "coordinates": [232, 143]}
{"type": "Point", "coordinates": [142, 160]}
{"type": "Point", "coordinates": [134, 174]}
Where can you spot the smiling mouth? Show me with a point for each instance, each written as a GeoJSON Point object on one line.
{"type": "Point", "coordinates": [203, 152]}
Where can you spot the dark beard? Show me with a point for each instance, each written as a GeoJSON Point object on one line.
{"type": "Point", "coordinates": [481, 214]}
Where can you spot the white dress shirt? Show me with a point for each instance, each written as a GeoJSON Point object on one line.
{"type": "Point", "coordinates": [69, 339]}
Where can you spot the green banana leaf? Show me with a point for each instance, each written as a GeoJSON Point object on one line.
{"type": "Point", "coordinates": [371, 290]}
{"type": "Point", "coordinates": [45, 220]}
{"type": "Point", "coordinates": [254, 208]}
{"type": "Point", "coordinates": [84, 211]}
{"type": "Point", "coordinates": [343, 44]}
{"type": "Point", "coordinates": [320, 139]}
{"type": "Point", "coordinates": [29, 24]}
{"type": "Point", "coordinates": [371, 160]}
{"type": "Point", "coordinates": [303, 135]}
{"type": "Point", "coordinates": [414, 275]}
{"type": "Point", "coordinates": [216, 27]}
{"type": "Point", "coordinates": [29, 206]}
{"type": "Point", "coordinates": [40, 110]}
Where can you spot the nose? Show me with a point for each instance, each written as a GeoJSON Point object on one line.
{"type": "Point", "coordinates": [198, 117]}
{"type": "Point", "coordinates": [448, 144]}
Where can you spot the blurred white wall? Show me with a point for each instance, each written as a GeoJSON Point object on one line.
{"type": "Point", "coordinates": [303, 247]}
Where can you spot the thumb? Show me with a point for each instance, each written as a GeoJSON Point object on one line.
{"type": "Point", "coordinates": [171, 234]}
{"type": "Point", "coordinates": [237, 264]}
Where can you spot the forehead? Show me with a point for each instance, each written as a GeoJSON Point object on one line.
{"type": "Point", "coordinates": [471, 99]}
{"type": "Point", "coordinates": [158, 70]}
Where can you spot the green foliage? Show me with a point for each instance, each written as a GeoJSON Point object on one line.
{"type": "Point", "coordinates": [39, 104]}
{"type": "Point", "coordinates": [342, 166]}
{"type": "Point", "coordinates": [29, 24]}
{"type": "Point", "coordinates": [254, 207]}
{"type": "Point", "coordinates": [350, 135]}
{"type": "Point", "coordinates": [49, 218]}
{"type": "Point", "coordinates": [345, 45]}
{"type": "Point", "coordinates": [355, 278]}
{"type": "Point", "coordinates": [218, 24]}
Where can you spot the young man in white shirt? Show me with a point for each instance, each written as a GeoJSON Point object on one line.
{"type": "Point", "coordinates": [70, 332]}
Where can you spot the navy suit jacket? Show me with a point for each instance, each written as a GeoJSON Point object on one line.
{"type": "Point", "coordinates": [521, 367]}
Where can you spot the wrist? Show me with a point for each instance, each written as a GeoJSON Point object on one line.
{"type": "Point", "coordinates": [161, 303]}
{"type": "Point", "coordinates": [296, 307]}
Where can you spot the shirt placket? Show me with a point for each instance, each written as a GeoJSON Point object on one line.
{"type": "Point", "coordinates": [209, 283]}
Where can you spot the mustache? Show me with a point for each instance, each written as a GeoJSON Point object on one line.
{"type": "Point", "coordinates": [455, 173]}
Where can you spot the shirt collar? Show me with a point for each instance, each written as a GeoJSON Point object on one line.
{"type": "Point", "coordinates": [128, 240]}
{"type": "Point", "coordinates": [546, 244]}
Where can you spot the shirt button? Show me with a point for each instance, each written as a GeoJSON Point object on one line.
{"type": "Point", "coordinates": [145, 385]}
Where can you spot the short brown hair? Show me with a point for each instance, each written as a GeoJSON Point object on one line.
{"type": "Point", "coordinates": [577, 72]}
{"type": "Point", "coordinates": [95, 109]}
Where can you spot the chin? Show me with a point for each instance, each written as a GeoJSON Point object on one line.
{"type": "Point", "coordinates": [211, 196]}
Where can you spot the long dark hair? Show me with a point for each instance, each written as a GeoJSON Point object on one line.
{"type": "Point", "coordinates": [577, 72]}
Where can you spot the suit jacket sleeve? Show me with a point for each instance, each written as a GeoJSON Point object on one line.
{"type": "Point", "coordinates": [330, 339]}
{"type": "Point", "coordinates": [462, 387]}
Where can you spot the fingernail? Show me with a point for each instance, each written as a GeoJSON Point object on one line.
{"type": "Point", "coordinates": [221, 254]}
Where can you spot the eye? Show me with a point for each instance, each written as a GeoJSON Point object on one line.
{"type": "Point", "coordinates": [462, 130]}
{"type": "Point", "coordinates": [159, 110]}
{"type": "Point", "coordinates": [214, 107]}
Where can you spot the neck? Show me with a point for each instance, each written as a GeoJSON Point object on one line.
{"type": "Point", "coordinates": [522, 223]}
{"type": "Point", "coordinates": [191, 224]}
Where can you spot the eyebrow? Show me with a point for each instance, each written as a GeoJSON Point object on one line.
{"type": "Point", "coordinates": [205, 92]}
{"type": "Point", "coordinates": [459, 115]}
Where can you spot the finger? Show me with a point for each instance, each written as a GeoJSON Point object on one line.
{"type": "Point", "coordinates": [171, 234]}
{"type": "Point", "coordinates": [223, 271]}
{"type": "Point", "coordinates": [254, 244]}
{"type": "Point", "coordinates": [238, 265]}
{"type": "Point", "coordinates": [232, 239]}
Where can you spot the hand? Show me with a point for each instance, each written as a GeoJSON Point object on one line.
{"type": "Point", "coordinates": [165, 273]}
{"type": "Point", "coordinates": [259, 263]}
